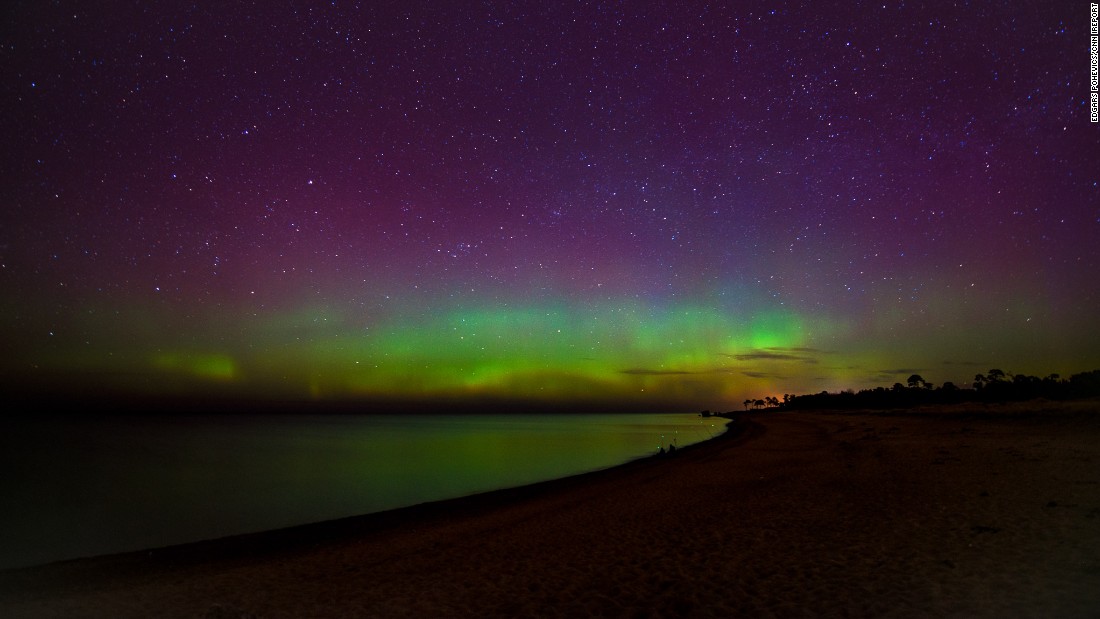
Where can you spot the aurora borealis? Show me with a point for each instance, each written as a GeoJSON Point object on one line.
{"type": "Point", "coordinates": [638, 204]}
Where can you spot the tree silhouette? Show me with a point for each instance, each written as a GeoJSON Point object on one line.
{"type": "Point", "coordinates": [997, 386]}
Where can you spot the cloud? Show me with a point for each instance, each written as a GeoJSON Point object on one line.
{"type": "Point", "coordinates": [801, 354]}
{"type": "Point", "coordinates": [764, 355]}
{"type": "Point", "coordinates": [901, 371]}
{"type": "Point", "coordinates": [664, 372]}
{"type": "Point", "coordinates": [649, 372]}
{"type": "Point", "coordinates": [894, 375]}
{"type": "Point", "coordinates": [764, 375]}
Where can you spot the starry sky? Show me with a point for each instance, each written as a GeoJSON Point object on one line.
{"type": "Point", "coordinates": [666, 205]}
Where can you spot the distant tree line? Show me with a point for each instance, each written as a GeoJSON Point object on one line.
{"type": "Point", "coordinates": [993, 386]}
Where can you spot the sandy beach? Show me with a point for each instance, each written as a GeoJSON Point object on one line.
{"type": "Point", "coordinates": [968, 511]}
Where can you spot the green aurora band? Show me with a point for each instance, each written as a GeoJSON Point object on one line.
{"type": "Point", "coordinates": [611, 354]}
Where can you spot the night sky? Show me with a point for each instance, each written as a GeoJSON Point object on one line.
{"type": "Point", "coordinates": [634, 204]}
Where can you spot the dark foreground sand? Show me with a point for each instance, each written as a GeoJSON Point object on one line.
{"type": "Point", "coordinates": [964, 512]}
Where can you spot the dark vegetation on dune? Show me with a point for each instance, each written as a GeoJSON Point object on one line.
{"type": "Point", "coordinates": [996, 386]}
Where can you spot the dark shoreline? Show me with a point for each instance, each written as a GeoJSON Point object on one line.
{"type": "Point", "coordinates": [88, 572]}
{"type": "Point", "coordinates": [935, 512]}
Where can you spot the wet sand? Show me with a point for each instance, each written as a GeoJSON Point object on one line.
{"type": "Point", "coordinates": [968, 511]}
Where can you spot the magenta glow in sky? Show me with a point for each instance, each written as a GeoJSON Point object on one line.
{"type": "Point", "coordinates": [561, 202]}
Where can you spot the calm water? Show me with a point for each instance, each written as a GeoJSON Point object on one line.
{"type": "Point", "coordinates": [77, 487]}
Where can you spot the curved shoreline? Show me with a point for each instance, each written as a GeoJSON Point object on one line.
{"type": "Point", "coordinates": [928, 513]}
{"type": "Point", "coordinates": [84, 486]}
{"type": "Point", "coordinates": [275, 541]}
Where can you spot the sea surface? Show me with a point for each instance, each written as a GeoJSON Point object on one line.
{"type": "Point", "coordinates": [73, 486]}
